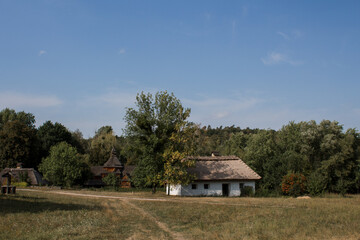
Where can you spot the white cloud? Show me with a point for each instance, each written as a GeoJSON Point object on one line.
{"type": "Point", "coordinates": [294, 34]}
{"type": "Point", "coordinates": [42, 52]}
{"type": "Point", "coordinates": [120, 100]}
{"type": "Point", "coordinates": [274, 58]}
{"type": "Point", "coordinates": [13, 100]}
{"type": "Point", "coordinates": [221, 115]}
{"type": "Point", "coordinates": [284, 35]}
{"type": "Point", "coordinates": [122, 51]}
{"type": "Point", "coordinates": [237, 104]}
{"type": "Point", "coordinates": [219, 110]}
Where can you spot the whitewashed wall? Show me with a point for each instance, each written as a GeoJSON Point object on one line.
{"type": "Point", "coordinates": [215, 189]}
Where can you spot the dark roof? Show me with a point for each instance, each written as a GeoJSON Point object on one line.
{"type": "Point", "coordinates": [221, 168]}
{"type": "Point", "coordinates": [98, 170]}
{"type": "Point", "coordinates": [113, 160]}
{"type": "Point", "coordinates": [34, 176]}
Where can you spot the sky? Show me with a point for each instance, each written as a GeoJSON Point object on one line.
{"type": "Point", "coordinates": [257, 64]}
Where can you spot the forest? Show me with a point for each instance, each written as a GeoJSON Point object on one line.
{"type": "Point", "coordinates": [324, 156]}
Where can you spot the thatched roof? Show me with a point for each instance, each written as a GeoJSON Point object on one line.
{"type": "Point", "coordinates": [35, 178]}
{"type": "Point", "coordinates": [222, 168]}
{"type": "Point", "coordinates": [113, 161]}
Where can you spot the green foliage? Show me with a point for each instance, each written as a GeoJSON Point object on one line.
{"type": "Point", "coordinates": [62, 167]}
{"type": "Point", "coordinates": [50, 134]}
{"type": "Point", "coordinates": [20, 184]}
{"type": "Point", "coordinates": [104, 130]}
{"type": "Point", "coordinates": [17, 144]}
{"type": "Point", "coordinates": [176, 163]}
{"type": "Point", "coordinates": [247, 191]}
{"type": "Point", "coordinates": [111, 180]}
{"type": "Point", "coordinates": [149, 128]}
{"type": "Point", "coordinates": [9, 115]}
{"type": "Point", "coordinates": [316, 184]}
{"type": "Point", "coordinates": [23, 177]}
{"type": "Point", "coordinates": [293, 184]}
{"type": "Point", "coordinates": [235, 145]}
{"type": "Point", "coordinates": [101, 145]}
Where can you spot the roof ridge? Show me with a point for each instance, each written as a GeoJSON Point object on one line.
{"type": "Point", "coordinates": [247, 166]}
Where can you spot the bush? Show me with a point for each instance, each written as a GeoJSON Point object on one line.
{"type": "Point", "coordinates": [111, 180]}
{"type": "Point", "coordinates": [293, 184]}
{"type": "Point", "coordinates": [316, 184]}
{"type": "Point", "coordinates": [264, 192]}
{"type": "Point", "coordinates": [247, 191]}
{"type": "Point", "coordinates": [20, 184]}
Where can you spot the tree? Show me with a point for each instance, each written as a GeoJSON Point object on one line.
{"type": "Point", "coordinates": [101, 145]}
{"type": "Point", "coordinates": [8, 115]}
{"type": "Point", "coordinates": [80, 143]}
{"type": "Point", "coordinates": [235, 145]}
{"type": "Point", "coordinates": [149, 128]}
{"type": "Point", "coordinates": [341, 169]}
{"type": "Point", "coordinates": [104, 130]}
{"type": "Point", "coordinates": [176, 164]}
{"type": "Point", "coordinates": [50, 134]}
{"type": "Point", "coordinates": [17, 144]}
{"type": "Point", "coordinates": [62, 167]}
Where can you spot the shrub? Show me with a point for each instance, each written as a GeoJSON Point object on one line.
{"type": "Point", "coordinates": [23, 177]}
{"type": "Point", "coordinates": [111, 180]}
{"type": "Point", "coordinates": [316, 184]}
{"type": "Point", "coordinates": [247, 191]}
{"type": "Point", "coordinates": [293, 184]}
{"type": "Point", "coordinates": [20, 184]}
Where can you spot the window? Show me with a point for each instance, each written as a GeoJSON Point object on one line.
{"type": "Point", "coordinates": [206, 186]}
{"type": "Point", "coordinates": [241, 185]}
{"type": "Point", "coordinates": [193, 186]}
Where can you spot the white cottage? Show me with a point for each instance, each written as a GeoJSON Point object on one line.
{"type": "Point", "coordinates": [217, 176]}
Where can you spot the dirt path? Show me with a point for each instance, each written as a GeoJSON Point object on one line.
{"type": "Point", "coordinates": [204, 201]}
{"type": "Point", "coordinates": [161, 225]}
{"type": "Point", "coordinates": [126, 200]}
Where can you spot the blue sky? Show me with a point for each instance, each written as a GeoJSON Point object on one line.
{"type": "Point", "coordinates": [257, 64]}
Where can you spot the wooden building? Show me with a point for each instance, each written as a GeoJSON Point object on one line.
{"type": "Point", "coordinates": [18, 174]}
{"type": "Point", "coordinates": [113, 165]}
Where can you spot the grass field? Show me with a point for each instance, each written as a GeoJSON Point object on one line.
{"type": "Point", "coordinates": [141, 215]}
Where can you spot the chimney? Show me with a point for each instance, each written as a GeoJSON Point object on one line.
{"type": "Point", "coordinates": [19, 165]}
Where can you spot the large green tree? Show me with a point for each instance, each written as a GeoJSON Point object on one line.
{"type": "Point", "coordinates": [176, 163]}
{"type": "Point", "coordinates": [50, 134]}
{"type": "Point", "coordinates": [17, 144]}
{"type": "Point", "coordinates": [149, 127]}
{"type": "Point", "coordinates": [8, 115]}
{"type": "Point", "coordinates": [62, 167]}
{"type": "Point", "coordinates": [101, 145]}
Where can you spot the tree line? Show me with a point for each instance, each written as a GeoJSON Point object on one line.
{"type": "Point", "coordinates": [158, 136]}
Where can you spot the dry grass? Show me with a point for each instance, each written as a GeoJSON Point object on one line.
{"type": "Point", "coordinates": [39, 215]}
{"type": "Point", "coordinates": [34, 215]}
{"type": "Point", "coordinates": [261, 218]}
